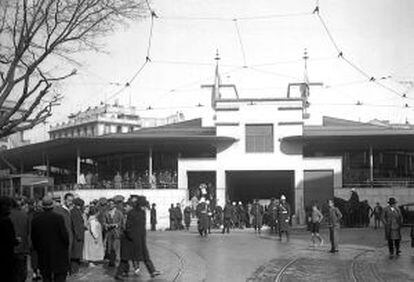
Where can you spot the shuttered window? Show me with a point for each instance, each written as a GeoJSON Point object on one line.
{"type": "Point", "coordinates": [259, 138]}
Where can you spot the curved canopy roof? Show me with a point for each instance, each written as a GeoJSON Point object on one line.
{"type": "Point", "coordinates": [188, 138]}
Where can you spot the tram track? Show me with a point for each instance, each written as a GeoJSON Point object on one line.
{"type": "Point", "coordinates": [180, 258]}
{"type": "Point", "coordinates": [280, 274]}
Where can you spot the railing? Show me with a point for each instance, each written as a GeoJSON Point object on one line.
{"type": "Point", "coordinates": [110, 185]}
{"type": "Point", "coordinates": [381, 183]}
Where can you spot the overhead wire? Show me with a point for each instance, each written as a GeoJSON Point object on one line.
{"type": "Point", "coordinates": [236, 25]}
{"type": "Point", "coordinates": [348, 61]}
{"type": "Point", "coordinates": [147, 58]}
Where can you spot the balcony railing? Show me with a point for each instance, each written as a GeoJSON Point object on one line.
{"type": "Point", "coordinates": [110, 185]}
{"type": "Point", "coordinates": [381, 183]}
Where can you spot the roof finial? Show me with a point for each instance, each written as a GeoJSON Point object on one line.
{"type": "Point", "coordinates": [305, 58]}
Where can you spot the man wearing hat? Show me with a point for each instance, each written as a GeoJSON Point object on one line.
{"type": "Point", "coordinates": [283, 217]}
{"type": "Point", "coordinates": [50, 239]}
{"type": "Point", "coordinates": [272, 211]}
{"type": "Point", "coordinates": [78, 227]}
{"type": "Point", "coordinates": [392, 224]}
{"type": "Point", "coordinates": [257, 213]}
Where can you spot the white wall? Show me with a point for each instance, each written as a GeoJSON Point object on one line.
{"type": "Point", "coordinates": [232, 124]}
{"type": "Point", "coordinates": [163, 198]}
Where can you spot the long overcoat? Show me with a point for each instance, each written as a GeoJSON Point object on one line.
{"type": "Point", "coordinates": [392, 223]}
{"type": "Point", "coordinates": [257, 213]}
{"type": "Point", "coordinates": [78, 229]}
{"type": "Point", "coordinates": [132, 239]}
{"type": "Point", "coordinates": [202, 214]}
{"type": "Point", "coordinates": [50, 239]}
{"type": "Point", "coordinates": [68, 222]}
{"type": "Point", "coordinates": [283, 216]}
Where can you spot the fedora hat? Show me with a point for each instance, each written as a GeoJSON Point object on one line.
{"type": "Point", "coordinates": [392, 201]}
{"type": "Point", "coordinates": [47, 202]}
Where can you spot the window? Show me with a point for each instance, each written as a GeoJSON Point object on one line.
{"type": "Point", "coordinates": [259, 138]}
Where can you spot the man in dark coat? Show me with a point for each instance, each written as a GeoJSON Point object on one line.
{"type": "Point", "coordinates": [227, 215]}
{"type": "Point", "coordinates": [64, 210]}
{"type": "Point", "coordinates": [153, 217]}
{"type": "Point", "coordinates": [334, 222]}
{"type": "Point", "coordinates": [21, 227]}
{"type": "Point", "coordinates": [187, 217]}
{"type": "Point", "coordinates": [203, 219]}
{"type": "Point", "coordinates": [257, 213]}
{"type": "Point", "coordinates": [135, 232]}
{"type": "Point", "coordinates": [78, 228]}
{"type": "Point", "coordinates": [178, 217]}
{"type": "Point", "coordinates": [8, 240]}
{"type": "Point", "coordinates": [171, 211]}
{"type": "Point", "coordinates": [272, 212]}
{"type": "Point", "coordinates": [129, 252]}
{"type": "Point", "coordinates": [51, 241]}
{"type": "Point", "coordinates": [392, 224]}
{"type": "Point", "coordinates": [283, 217]}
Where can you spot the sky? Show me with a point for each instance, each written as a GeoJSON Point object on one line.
{"type": "Point", "coordinates": [261, 45]}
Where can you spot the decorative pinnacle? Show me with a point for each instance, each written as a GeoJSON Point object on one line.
{"type": "Point", "coordinates": [217, 58]}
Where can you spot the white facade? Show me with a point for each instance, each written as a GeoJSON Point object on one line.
{"type": "Point", "coordinates": [231, 118]}
{"type": "Point", "coordinates": [107, 119]}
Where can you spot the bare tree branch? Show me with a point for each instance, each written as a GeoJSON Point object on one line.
{"type": "Point", "coordinates": [35, 32]}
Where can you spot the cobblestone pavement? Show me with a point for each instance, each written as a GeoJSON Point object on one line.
{"type": "Point", "coordinates": [245, 256]}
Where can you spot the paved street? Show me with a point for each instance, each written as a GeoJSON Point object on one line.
{"type": "Point", "coordinates": [244, 256]}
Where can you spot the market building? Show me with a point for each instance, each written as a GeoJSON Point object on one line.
{"type": "Point", "coordinates": [241, 157]}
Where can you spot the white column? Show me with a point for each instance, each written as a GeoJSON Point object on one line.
{"type": "Point", "coordinates": [78, 166]}
{"type": "Point", "coordinates": [371, 164]}
{"type": "Point", "coordinates": [150, 163]}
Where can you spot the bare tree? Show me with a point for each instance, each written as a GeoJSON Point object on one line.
{"type": "Point", "coordinates": [35, 32]}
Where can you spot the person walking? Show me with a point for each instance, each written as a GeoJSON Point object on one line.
{"type": "Point", "coordinates": [171, 212]}
{"type": "Point", "coordinates": [153, 218]}
{"type": "Point", "coordinates": [187, 217]}
{"type": "Point", "coordinates": [64, 211]}
{"type": "Point", "coordinates": [50, 239]}
{"type": "Point", "coordinates": [78, 228]}
{"type": "Point", "coordinates": [21, 224]}
{"type": "Point", "coordinates": [316, 219]}
{"type": "Point", "coordinates": [227, 215]}
{"type": "Point", "coordinates": [272, 212]}
{"type": "Point", "coordinates": [8, 240]}
{"type": "Point", "coordinates": [202, 215]}
{"type": "Point", "coordinates": [257, 213]}
{"type": "Point", "coordinates": [178, 217]}
{"type": "Point", "coordinates": [392, 226]}
{"type": "Point", "coordinates": [113, 221]}
{"type": "Point", "coordinates": [93, 250]}
{"type": "Point", "coordinates": [377, 213]}
{"type": "Point", "coordinates": [284, 216]}
{"type": "Point", "coordinates": [333, 218]}
{"type": "Point", "coordinates": [135, 230]}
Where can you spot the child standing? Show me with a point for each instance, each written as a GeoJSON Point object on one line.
{"type": "Point", "coordinates": [316, 219]}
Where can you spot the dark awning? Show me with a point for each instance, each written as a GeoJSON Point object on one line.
{"type": "Point", "coordinates": [65, 149]}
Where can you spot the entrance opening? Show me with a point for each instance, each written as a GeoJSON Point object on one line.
{"type": "Point", "coordinates": [248, 185]}
{"type": "Point", "coordinates": [196, 178]}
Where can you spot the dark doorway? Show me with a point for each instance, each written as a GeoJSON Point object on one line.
{"type": "Point", "coordinates": [196, 178]}
{"type": "Point", "coordinates": [248, 185]}
{"type": "Point", "coordinates": [318, 187]}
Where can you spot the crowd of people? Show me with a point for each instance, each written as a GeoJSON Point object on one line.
{"type": "Point", "coordinates": [61, 238]}
{"type": "Point", "coordinates": [159, 179]}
